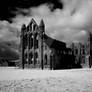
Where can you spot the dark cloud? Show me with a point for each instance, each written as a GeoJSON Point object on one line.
{"type": "Point", "coordinates": [9, 7]}
{"type": "Point", "coordinates": [9, 41]}
{"type": "Point", "coordinates": [6, 52]}
{"type": "Point", "coordinates": [70, 23]}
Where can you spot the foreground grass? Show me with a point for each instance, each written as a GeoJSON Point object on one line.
{"type": "Point", "coordinates": [17, 80]}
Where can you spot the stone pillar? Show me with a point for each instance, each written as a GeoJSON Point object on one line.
{"type": "Point", "coordinates": [42, 30]}
{"type": "Point", "coordinates": [23, 28]}
{"type": "Point", "coordinates": [90, 57]}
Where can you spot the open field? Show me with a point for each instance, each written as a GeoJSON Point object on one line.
{"type": "Point", "coordinates": [27, 80]}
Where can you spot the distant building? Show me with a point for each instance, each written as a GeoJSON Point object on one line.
{"type": "Point", "coordinates": [81, 52]}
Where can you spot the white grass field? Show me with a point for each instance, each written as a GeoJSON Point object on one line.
{"type": "Point", "coordinates": [29, 80]}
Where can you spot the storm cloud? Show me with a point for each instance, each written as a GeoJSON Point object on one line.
{"type": "Point", "coordinates": [71, 23]}
{"type": "Point", "coordinates": [68, 24]}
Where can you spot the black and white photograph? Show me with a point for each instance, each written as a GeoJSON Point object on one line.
{"type": "Point", "coordinates": [46, 46]}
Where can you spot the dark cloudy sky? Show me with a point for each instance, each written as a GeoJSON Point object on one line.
{"type": "Point", "coordinates": [9, 7]}
{"type": "Point", "coordinates": [65, 20]}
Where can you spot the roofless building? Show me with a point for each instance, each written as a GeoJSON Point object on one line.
{"type": "Point", "coordinates": [38, 50]}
